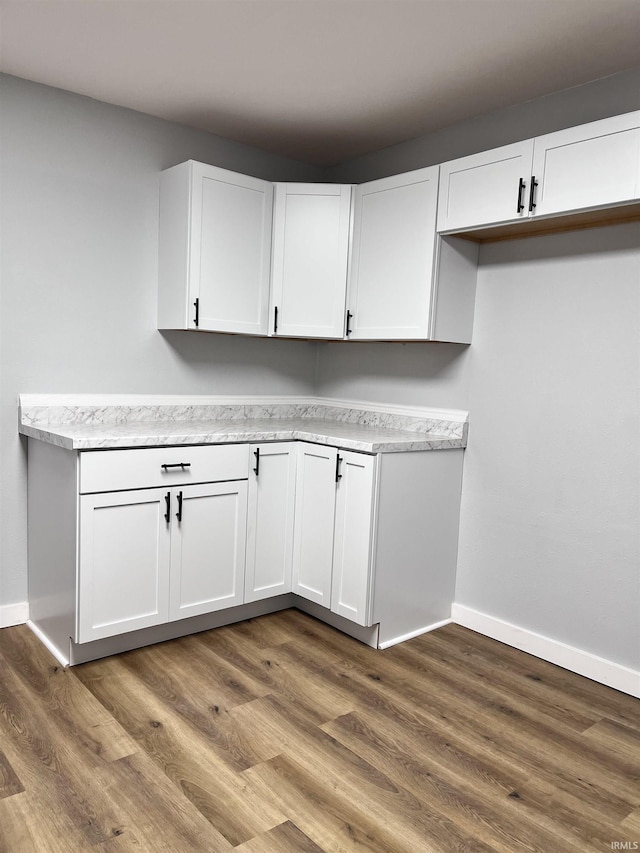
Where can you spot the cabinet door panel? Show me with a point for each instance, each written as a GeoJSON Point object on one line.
{"type": "Point", "coordinates": [230, 250]}
{"type": "Point", "coordinates": [310, 250]}
{"type": "Point", "coordinates": [270, 521]}
{"type": "Point", "coordinates": [483, 188]}
{"type": "Point", "coordinates": [124, 563]}
{"type": "Point", "coordinates": [208, 548]}
{"type": "Point", "coordinates": [353, 540]}
{"type": "Point", "coordinates": [588, 166]}
{"type": "Point", "coordinates": [314, 518]}
{"type": "Point", "coordinates": [392, 259]}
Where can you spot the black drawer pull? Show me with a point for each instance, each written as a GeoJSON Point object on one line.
{"type": "Point", "coordinates": [256, 470]}
{"type": "Point", "coordinates": [338, 463]}
{"type": "Point", "coordinates": [534, 184]}
{"type": "Point", "coordinates": [167, 514]}
{"type": "Point", "coordinates": [181, 465]}
{"type": "Point", "coordinates": [179, 513]}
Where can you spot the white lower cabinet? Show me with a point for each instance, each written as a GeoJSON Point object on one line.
{"type": "Point", "coordinates": [154, 555]}
{"type": "Point", "coordinates": [123, 581]}
{"type": "Point", "coordinates": [208, 534]}
{"type": "Point", "coordinates": [314, 519]}
{"type": "Point", "coordinates": [353, 537]}
{"type": "Point", "coordinates": [272, 482]}
{"type": "Point", "coordinates": [335, 492]}
{"type": "Point", "coordinates": [368, 540]}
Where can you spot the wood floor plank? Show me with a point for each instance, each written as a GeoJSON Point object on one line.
{"type": "Point", "coordinates": [197, 760]}
{"type": "Point", "coordinates": [10, 784]}
{"type": "Point", "coordinates": [285, 838]}
{"type": "Point", "coordinates": [282, 735]}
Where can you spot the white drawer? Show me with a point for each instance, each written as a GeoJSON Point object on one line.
{"type": "Point", "coordinates": [115, 470]}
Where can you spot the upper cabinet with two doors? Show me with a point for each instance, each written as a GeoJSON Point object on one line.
{"type": "Point", "coordinates": [242, 255]}
{"type": "Point", "coordinates": [589, 168]}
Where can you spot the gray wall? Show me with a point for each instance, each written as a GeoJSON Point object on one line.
{"type": "Point", "coordinates": [549, 526]}
{"type": "Point", "coordinates": [79, 195]}
{"type": "Point", "coordinates": [609, 96]}
{"type": "Point", "coordinates": [549, 535]}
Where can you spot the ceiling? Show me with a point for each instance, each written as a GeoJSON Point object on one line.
{"type": "Point", "coordinates": [318, 80]}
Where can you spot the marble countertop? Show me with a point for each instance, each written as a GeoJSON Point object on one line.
{"type": "Point", "coordinates": [80, 427]}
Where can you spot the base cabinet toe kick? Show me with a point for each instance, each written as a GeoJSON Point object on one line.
{"type": "Point", "coordinates": [129, 547]}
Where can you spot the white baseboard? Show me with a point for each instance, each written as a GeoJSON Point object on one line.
{"type": "Point", "coordinates": [576, 660]}
{"type": "Point", "coordinates": [14, 614]}
{"type": "Point", "coordinates": [385, 644]}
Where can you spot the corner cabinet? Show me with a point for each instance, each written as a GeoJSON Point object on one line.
{"type": "Point", "coordinates": [310, 255]}
{"type": "Point", "coordinates": [214, 250]}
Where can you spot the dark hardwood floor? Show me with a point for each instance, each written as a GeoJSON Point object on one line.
{"type": "Point", "coordinates": [281, 735]}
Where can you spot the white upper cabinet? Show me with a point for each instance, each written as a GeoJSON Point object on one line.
{"type": "Point", "coordinates": [593, 165]}
{"type": "Point", "coordinates": [310, 252]}
{"type": "Point", "coordinates": [392, 260]}
{"type": "Point", "coordinates": [215, 250]}
{"type": "Point", "coordinates": [485, 188]}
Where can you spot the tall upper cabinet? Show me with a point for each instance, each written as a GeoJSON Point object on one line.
{"type": "Point", "coordinates": [215, 250]}
{"type": "Point", "coordinates": [310, 254]}
{"type": "Point", "coordinates": [406, 283]}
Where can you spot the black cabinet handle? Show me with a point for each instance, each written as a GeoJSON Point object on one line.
{"type": "Point", "coordinates": [275, 320]}
{"type": "Point", "coordinates": [348, 329]}
{"type": "Point", "coordinates": [532, 203]}
{"type": "Point", "coordinates": [181, 465]}
{"type": "Point", "coordinates": [256, 470]}
{"type": "Point", "coordinates": [338, 463]}
{"type": "Point", "coordinates": [167, 515]}
{"type": "Point", "coordinates": [196, 319]}
{"type": "Point", "coordinates": [179, 513]}
{"type": "Point", "coordinates": [521, 187]}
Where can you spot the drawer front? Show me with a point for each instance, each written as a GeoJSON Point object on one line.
{"type": "Point", "coordinates": [114, 470]}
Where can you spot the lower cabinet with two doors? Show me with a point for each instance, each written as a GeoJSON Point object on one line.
{"type": "Point", "coordinates": [124, 541]}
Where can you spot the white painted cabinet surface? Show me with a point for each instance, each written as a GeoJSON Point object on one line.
{"type": "Point", "coordinates": [590, 166]}
{"type": "Point", "coordinates": [152, 555]}
{"type": "Point", "coordinates": [124, 554]}
{"type": "Point", "coordinates": [314, 522]}
{"type": "Point", "coordinates": [577, 170]}
{"type": "Point", "coordinates": [208, 534]}
{"type": "Point", "coordinates": [272, 483]}
{"type": "Point", "coordinates": [353, 543]}
{"type": "Point", "coordinates": [392, 258]}
{"type": "Point", "coordinates": [214, 250]}
{"type": "Point", "coordinates": [310, 254]}
{"type": "Point", "coordinates": [485, 188]}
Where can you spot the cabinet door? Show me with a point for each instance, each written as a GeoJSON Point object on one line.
{"type": "Point", "coordinates": [485, 188]}
{"type": "Point", "coordinates": [594, 165]}
{"type": "Point", "coordinates": [353, 539]}
{"type": "Point", "coordinates": [215, 250]}
{"type": "Point", "coordinates": [270, 520]}
{"type": "Point", "coordinates": [310, 250]}
{"type": "Point", "coordinates": [314, 518]}
{"type": "Point", "coordinates": [208, 535]}
{"type": "Point", "coordinates": [123, 574]}
{"type": "Point", "coordinates": [392, 258]}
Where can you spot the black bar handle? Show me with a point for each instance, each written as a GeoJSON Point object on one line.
{"type": "Point", "coordinates": [167, 515]}
{"type": "Point", "coordinates": [181, 465]}
{"type": "Point", "coordinates": [256, 453]}
{"type": "Point", "coordinates": [275, 320]}
{"type": "Point", "coordinates": [338, 463]}
{"type": "Point", "coordinates": [196, 319]}
{"type": "Point", "coordinates": [179, 513]}
{"type": "Point", "coordinates": [534, 184]}
{"type": "Point", "coordinates": [521, 187]}
{"type": "Point", "coordinates": [349, 317]}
